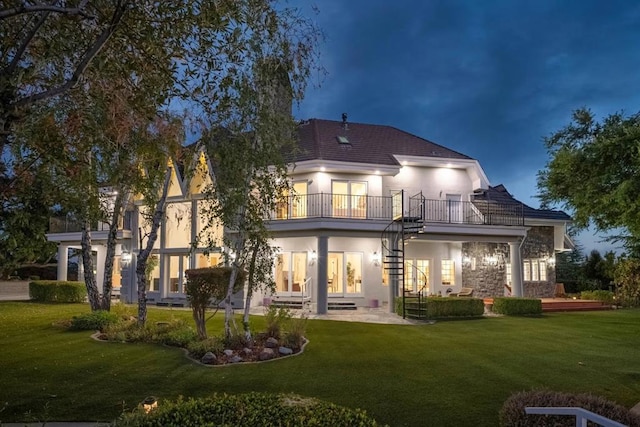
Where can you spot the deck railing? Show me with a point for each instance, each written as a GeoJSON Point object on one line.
{"type": "Point", "coordinates": [326, 205]}
{"type": "Point", "coordinates": [582, 415]}
{"type": "Point", "coordinates": [68, 224]}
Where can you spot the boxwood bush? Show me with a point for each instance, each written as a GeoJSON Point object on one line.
{"type": "Point", "coordinates": [94, 321]}
{"type": "Point", "coordinates": [512, 306]}
{"type": "Point", "coordinates": [598, 295]}
{"type": "Point", "coordinates": [247, 410]}
{"type": "Point", "coordinates": [57, 291]}
{"type": "Point", "coordinates": [438, 308]}
{"type": "Point", "coordinates": [513, 414]}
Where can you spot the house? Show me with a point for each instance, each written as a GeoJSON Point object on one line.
{"type": "Point", "coordinates": [374, 213]}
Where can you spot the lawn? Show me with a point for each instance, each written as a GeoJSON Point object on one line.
{"type": "Point", "coordinates": [455, 373]}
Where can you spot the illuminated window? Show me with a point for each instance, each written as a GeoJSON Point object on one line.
{"type": "Point", "coordinates": [543, 270]}
{"type": "Point", "coordinates": [448, 273]}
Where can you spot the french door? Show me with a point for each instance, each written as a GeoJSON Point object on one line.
{"type": "Point", "coordinates": [291, 272]}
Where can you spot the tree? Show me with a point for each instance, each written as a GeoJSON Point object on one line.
{"type": "Point", "coordinates": [249, 131]}
{"type": "Point", "coordinates": [594, 172]}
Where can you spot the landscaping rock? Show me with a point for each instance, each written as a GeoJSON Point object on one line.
{"type": "Point", "coordinates": [271, 343]}
{"type": "Point", "coordinates": [209, 358]}
{"type": "Point", "coordinates": [247, 351]}
{"type": "Point", "coordinates": [267, 354]}
{"type": "Point", "coordinates": [235, 359]}
{"type": "Point", "coordinates": [285, 351]}
{"type": "Point", "coordinates": [228, 353]}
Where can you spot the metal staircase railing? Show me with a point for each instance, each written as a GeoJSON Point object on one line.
{"type": "Point", "coordinates": [405, 224]}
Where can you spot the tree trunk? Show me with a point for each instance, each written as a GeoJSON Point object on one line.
{"type": "Point", "coordinates": [228, 308]}
{"type": "Point", "coordinates": [111, 250]}
{"type": "Point", "coordinates": [247, 303]}
{"type": "Point", "coordinates": [87, 261]}
{"type": "Point", "coordinates": [201, 322]}
{"type": "Point", "coordinates": [144, 254]}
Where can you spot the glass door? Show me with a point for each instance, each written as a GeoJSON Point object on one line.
{"type": "Point", "coordinates": [416, 275]}
{"type": "Point", "coordinates": [291, 272]}
{"type": "Point", "coordinates": [177, 265]}
{"type": "Point", "coordinates": [344, 273]}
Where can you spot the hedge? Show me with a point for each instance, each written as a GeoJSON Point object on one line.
{"type": "Point", "coordinates": [439, 307]}
{"type": "Point", "coordinates": [607, 297]}
{"type": "Point", "coordinates": [513, 414]}
{"type": "Point", "coordinates": [57, 291]}
{"type": "Point", "coordinates": [512, 306]}
{"type": "Point", "coordinates": [252, 409]}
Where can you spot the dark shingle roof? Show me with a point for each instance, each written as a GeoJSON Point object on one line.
{"type": "Point", "coordinates": [375, 144]}
{"type": "Point", "coordinates": [500, 195]}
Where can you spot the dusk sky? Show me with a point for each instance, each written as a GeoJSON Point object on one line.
{"type": "Point", "coordinates": [488, 78]}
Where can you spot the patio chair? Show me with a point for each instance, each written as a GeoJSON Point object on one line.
{"type": "Point", "coordinates": [464, 292]}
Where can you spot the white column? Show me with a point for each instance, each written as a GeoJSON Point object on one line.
{"type": "Point", "coordinates": [321, 286]}
{"type": "Point", "coordinates": [63, 261]}
{"type": "Point", "coordinates": [517, 289]}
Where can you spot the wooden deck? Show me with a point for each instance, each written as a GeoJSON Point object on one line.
{"type": "Point", "coordinates": [569, 304]}
{"type": "Point", "coordinates": [550, 305]}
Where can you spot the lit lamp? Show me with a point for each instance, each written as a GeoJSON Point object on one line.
{"type": "Point", "coordinates": [126, 257]}
{"type": "Point", "coordinates": [376, 259]}
{"type": "Point", "coordinates": [313, 256]}
{"type": "Point", "coordinates": [149, 403]}
{"type": "Point", "coordinates": [551, 261]}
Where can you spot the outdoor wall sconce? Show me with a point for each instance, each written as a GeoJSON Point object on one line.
{"type": "Point", "coordinates": [376, 258]}
{"type": "Point", "coordinates": [313, 256]}
{"type": "Point", "coordinates": [125, 257]}
{"type": "Point", "coordinates": [491, 260]}
{"type": "Point", "coordinates": [466, 261]}
{"type": "Point", "coordinates": [149, 403]}
{"type": "Point", "coordinates": [551, 261]}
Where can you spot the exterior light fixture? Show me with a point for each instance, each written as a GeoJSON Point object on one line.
{"type": "Point", "coordinates": [149, 403]}
{"type": "Point", "coordinates": [126, 257]}
{"type": "Point", "coordinates": [551, 261]}
{"type": "Point", "coordinates": [491, 260]}
{"type": "Point", "coordinates": [376, 258]}
{"type": "Point", "coordinates": [313, 256]}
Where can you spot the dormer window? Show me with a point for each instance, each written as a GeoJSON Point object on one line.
{"type": "Point", "coordinates": [343, 139]}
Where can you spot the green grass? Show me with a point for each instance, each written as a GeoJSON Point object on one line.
{"type": "Point", "coordinates": [447, 374]}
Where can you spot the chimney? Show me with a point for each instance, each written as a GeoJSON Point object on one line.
{"type": "Point", "coordinates": [345, 126]}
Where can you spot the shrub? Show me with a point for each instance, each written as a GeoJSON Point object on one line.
{"type": "Point", "coordinates": [197, 349]}
{"type": "Point", "coordinates": [296, 330]}
{"type": "Point", "coordinates": [513, 414]}
{"type": "Point", "coordinates": [627, 274]}
{"type": "Point", "coordinates": [57, 291]}
{"type": "Point", "coordinates": [93, 321]}
{"type": "Point", "coordinates": [275, 318]}
{"type": "Point", "coordinates": [207, 285]}
{"type": "Point", "coordinates": [179, 336]}
{"type": "Point", "coordinates": [248, 410]}
{"type": "Point", "coordinates": [512, 306]}
{"type": "Point", "coordinates": [439, 308]}
{"type": "Point", "coordinates": [607, 297]}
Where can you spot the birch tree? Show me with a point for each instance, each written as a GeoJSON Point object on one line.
{"type": "Point", "coordinates": [247, 156]}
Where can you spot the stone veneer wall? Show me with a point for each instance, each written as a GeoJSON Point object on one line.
{"type": "Point", "coordinates": [539, 244]}
{"type": "Point", "coordinates": [488, 280]}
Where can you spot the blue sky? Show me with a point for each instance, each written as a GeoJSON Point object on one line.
{"type": "Point", "coordinates": [488, 78]}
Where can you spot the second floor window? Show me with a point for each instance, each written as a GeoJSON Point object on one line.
{"type": "Point", "coordinates": [349, 199]}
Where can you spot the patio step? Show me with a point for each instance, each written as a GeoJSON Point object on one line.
{"type": "Point", "coordinates": [346, 305]}
{"type": "Point", "coordinates": [284, 303]}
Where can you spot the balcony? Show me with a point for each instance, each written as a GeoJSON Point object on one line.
{"type": "Point", "coordinates": [68, 224]}
{"type": "Point", "coordinates": [389, 208]}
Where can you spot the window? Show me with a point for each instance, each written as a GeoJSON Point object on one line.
{"type": "Point", "coordinates": [543, 270]}
{"type": "Point", "coordinates": [293, 204]}
{"type": "Point", "coordinates": [448, 272]}
{"type": "Point", "coordinates": [535, 270]}
{"type": "Point", "coordinates": [349, 199]}
{"type": "Point", "coordinates": [178, 225]}
{"type": "Point", "coordinates": [508, 277]}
